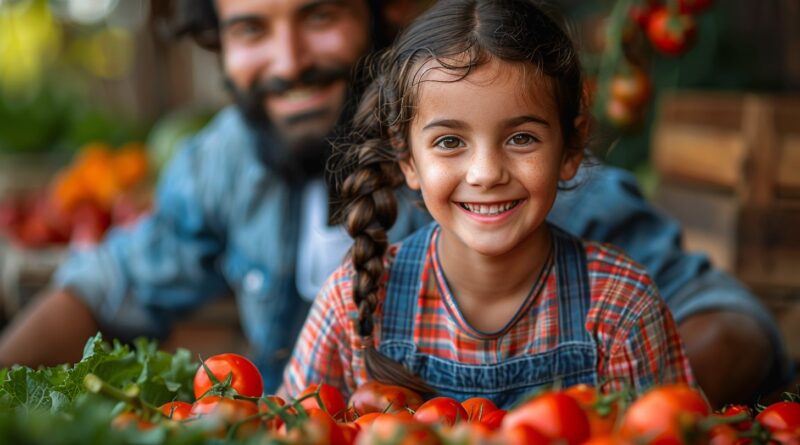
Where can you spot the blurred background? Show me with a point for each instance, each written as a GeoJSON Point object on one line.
{"type": "Point", "coordinates": [700, 99]}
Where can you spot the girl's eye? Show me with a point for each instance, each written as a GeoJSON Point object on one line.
{"type": "Point", "coordinates": [522, 139]}
{"type": "Point", "coordinates": [449, 143]}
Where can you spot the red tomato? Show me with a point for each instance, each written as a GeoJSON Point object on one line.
{"type": "Point", "coordinates": [246, 379]}
{"type": "Point", "coordinates": [130, 420]}
{"type": "Point", "coordinates": [554, 414]}
{"type": "Point", "coordinates": [671, 34]}
{"type": "Point", "coordinates": [218, 414]}
{"type": "Point", "coordinates": [318, 429]}
{"type": "Point", "coordinates": [607, 439]}
{"type": "Point", "coordinates": [601, 419]}
{"type": "Point", "coordinates": [781, 416]}
{"type": "Point", "coordinates": [478, 408]}
{"type": "Point", "coordinates": [376, 397]}
{"type": "Point", "coordinates": [631, 88]}
{"type": "Point", "coordinates": [738, 410]}
{"type": "Point", "coordinates": [494, 420]}
{"type": "Point", "coordinates": [723, 435]}
{"type": "Point", "coordinates": [694, 6]}
{"type": "Point", "coordinates": [663, 414]}
{"type": "Point", "coordinates": [467, 433]}
{"type": "Point", "coordinates": [640, 13]}
{"type": "Point", "coordinates": [332, 399]}
{"type": "Point", "coordinates": [523, 434]}
{"type": "Point", "coordinates": [622, 115]}
{"type": "Point", "coordinates": [177, 410]}
{"type": "Point", "coordinates": [442, 410]}
{"type": "Point", "coordinates": [263, 407]}
{"type": "Point", "coordinates": [391, 429]}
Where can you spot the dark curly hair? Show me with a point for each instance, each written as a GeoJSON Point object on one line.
{"type": "Point", "coordinates": [198, 20]}
{"type": "Point", "coordinates": [366, 165]}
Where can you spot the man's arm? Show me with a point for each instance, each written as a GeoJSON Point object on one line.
{"type": "Point", "coordinates": [729, 335]}
{"type": "Point", "coordinates": [730, 354]}
{"type": "Point", "coordinates": [51, 330]}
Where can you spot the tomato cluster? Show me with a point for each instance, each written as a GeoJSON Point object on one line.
{"type": "Point", "coordinates": [671, 29]}
{"type": "Point", "coordinates": [230, 404]}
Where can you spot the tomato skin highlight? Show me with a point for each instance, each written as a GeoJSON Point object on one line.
{"type": "Point", "coordinates": [663, 414]}
{"type": "Point", "coordinates": [246, 379]}
{"type": "Point", "coordinates": [176, 410]}
{"type": "Point", "coordinates": [781, 417]}
{"type": "Point", "coordinates": [671, 34]}
{"type": "Point", "coordinates": [332, 400]}
{"type": "Point", "coordinates": [443, 410]}
{"type": "Point", "coordinates": [376, 397]}
{"type": "Point", "coordinates": [478, 408]}
{"type": "Point", "coordinates": [555, 414]}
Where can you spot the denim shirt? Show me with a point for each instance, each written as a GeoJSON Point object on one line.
{"type": "Point", "coordinates": [224, 222]}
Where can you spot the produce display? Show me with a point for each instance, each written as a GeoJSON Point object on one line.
{"type": "Point", "coordinates": [140, 395]}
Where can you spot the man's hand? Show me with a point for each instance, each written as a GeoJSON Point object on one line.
{"type": "Point", "coordinates": [51, 330]}
{"type": "Point", "coordinates": [730, 354]}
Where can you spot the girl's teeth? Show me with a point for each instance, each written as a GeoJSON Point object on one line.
{"type": "Point", "coordinates": [493, 209]}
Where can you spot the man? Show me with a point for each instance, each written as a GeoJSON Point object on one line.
{"type": "Point", "coordinates": [243, 206]}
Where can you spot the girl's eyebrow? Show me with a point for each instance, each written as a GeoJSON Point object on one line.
{"type": "Point", "coordinates": [509, 123]}
{"type": "Point", "coordinates": [515, 121]}
{"type": "Point", "coordinates": [446, 123]}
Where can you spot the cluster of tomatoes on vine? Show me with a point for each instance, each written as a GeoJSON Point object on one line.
{"type": "Point", "coordinates": [230, 404]}
{"type": "Point", "coordinates": [667, 26]}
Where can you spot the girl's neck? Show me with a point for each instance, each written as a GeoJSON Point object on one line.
{"type": "Point", "coordinates": [478, 280]}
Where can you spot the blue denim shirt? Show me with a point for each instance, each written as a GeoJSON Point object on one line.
{"type": "Point", "coordinates": [223, 222]}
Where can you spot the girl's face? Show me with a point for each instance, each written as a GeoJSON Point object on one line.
{"type": "Point", "coordinates": [487, 153]}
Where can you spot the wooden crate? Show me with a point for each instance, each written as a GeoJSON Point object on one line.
{"type": "Point", "coordinates": [730, 169]}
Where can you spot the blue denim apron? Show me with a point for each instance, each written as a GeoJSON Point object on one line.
{"type": "Point", "coordinates": [572, 361]}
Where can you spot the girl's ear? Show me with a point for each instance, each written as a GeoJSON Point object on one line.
{"type": "Point", "coordinates": [410, 172]}
{"type": "Point", "coordinates": [573, 149]}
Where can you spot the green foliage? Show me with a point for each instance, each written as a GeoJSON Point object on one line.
{"type": "Point", "coordinates": [52, 405]}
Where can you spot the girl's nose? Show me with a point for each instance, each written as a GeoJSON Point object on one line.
{"type": "Point", "coordinates": [487, 169]}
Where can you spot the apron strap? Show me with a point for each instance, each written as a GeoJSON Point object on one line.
{"type": "Point", "coordinates": [402, 291]}
{"type": "Point", "coordinates": [574, 296]}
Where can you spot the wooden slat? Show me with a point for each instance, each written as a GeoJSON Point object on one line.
{"type": "Point", "coordinates": [705, 154]}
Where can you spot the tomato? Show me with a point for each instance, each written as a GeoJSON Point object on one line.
{"type": "Point", "coordinates": [318, 429]}
{"type": "Point", "coordinates": [781, 416]}
{"type": "Point", "coordinates": [442, 410]}
{"type": "Point", "coordinates": [349, 432]}
{"type": "Point", "coordinates": [332, 399]}
{"type": "Point", "coordinates": [554, 414]}
{"type": "Point", "coordinates": [218, 414]}
{"type": "Point", "coordinates": [372, 397]}
{"type": "Point", "coordinates": [607, 439]}
{"type": "Point", "coordinates": [601, 418]}
{"type": "Point", "coordinates": [391, 429]}
{"type": "Point", "coordinates": [523, 434]}
{"type": "Point", "coordinates": [663, 414]}
{"type": "Point", "coordinates": [245, 378]}
{"type": "Point", "coordinates": [640, 13]}
{"type": "Point", "coordinates": [622, 115]}
{"type": "Point", "coordinates": [177, 410]}
{"type": "Point", "coordinates": [669, 33]}
{"type": "Point", "coordinates": [738, 410]}
{"type": "Point", "coordinates": [478, 408]}
{"type": "Point", "coordinates": [694, 6]}
{"type": "Point", "coordinates": [631, 87]}
{"type": "Point", "coordinates": [494, 419]}
{"type": "Point", "coordinates": [723, 435]}
{"type": "Point", "coordinates": [275, 422]}
{"type": "Point", "coordinates": [129, 419]}
{"type": "Point", "coordinates": [467, 433]}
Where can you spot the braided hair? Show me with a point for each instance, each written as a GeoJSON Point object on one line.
{"type": "Point", "coordinates": [459, 35]}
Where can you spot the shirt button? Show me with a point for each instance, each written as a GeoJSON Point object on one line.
{"type": "Point", "coordinates": [253, 281]}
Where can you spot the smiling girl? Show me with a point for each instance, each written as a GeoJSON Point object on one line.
{"type": "Point", "coordinates": [478, 106]}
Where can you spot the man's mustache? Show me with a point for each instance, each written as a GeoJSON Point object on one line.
{"type": "Point", "coordinates": [313, 77]}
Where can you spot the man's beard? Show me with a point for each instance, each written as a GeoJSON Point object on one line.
{"type": "Point", "coordinates": [299, 158]}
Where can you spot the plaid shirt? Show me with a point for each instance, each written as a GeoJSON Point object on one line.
{"type": "Point", "coordinates": [637, 339]}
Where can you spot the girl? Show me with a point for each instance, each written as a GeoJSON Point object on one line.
{"type": "Point", "coordinates": [477, 105]}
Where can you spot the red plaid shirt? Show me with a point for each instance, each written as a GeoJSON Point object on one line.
{"type": "Point", "coordinates": [637, 339]}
